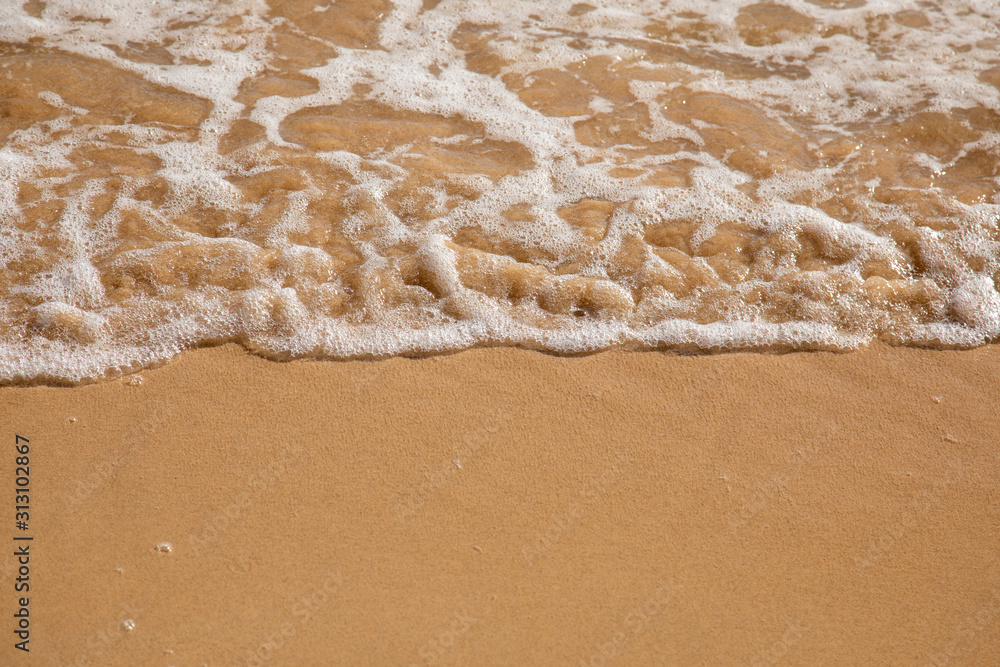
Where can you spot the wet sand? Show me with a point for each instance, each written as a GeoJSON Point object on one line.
{"type": "Point", "coordinates": [503, 506]}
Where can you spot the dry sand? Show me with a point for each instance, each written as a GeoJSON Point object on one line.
{"type": "Point", "coordinates": [508, 507]}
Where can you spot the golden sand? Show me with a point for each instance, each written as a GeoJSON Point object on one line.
{"type": "Point", "coordinates": [503, 506]}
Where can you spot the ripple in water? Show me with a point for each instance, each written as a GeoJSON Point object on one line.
{"type": "Point", "coordinates": [366, 178]}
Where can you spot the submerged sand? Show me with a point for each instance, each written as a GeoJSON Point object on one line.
{"type": "Point", "coordinates": [502, 506]}
{"type": "Point", "coordinates": [370, 178]}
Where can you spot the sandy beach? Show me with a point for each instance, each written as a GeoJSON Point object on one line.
{"type": "Point", "coordinates": [625, 333]}
{"type": "Point", "coordinates": [502, 506]}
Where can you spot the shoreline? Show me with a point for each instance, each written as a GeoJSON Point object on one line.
{"type": "Point", "coordinates": [777, 350]}
{"type": "Point", "coordinates": [499, 505]}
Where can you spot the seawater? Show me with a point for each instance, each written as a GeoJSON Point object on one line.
{"type": "Point", "coordinates": [363, 178]}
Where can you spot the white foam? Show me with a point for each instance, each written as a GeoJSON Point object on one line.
{"type": "Point", "coordinates": [849, 83]}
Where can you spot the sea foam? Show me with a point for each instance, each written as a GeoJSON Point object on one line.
{"type": "Point", "coordinates": [366, 178]}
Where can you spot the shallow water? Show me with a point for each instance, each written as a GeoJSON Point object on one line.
{"type": "Point", "coordinates": [367, 178]}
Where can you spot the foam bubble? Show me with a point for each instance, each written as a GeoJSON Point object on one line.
{"type": "Point", "coordinates": [976, 304]}
{"type": "Point", "coordinates": [376, 178]}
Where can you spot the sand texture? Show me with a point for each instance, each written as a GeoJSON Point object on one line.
{"type": "Point", "coordinates": [503, 506]}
